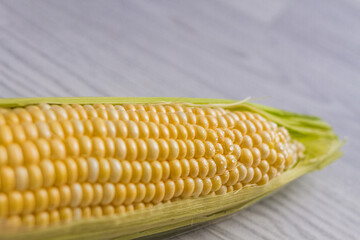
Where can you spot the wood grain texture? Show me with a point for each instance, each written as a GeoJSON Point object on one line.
{"type": "Point", "coordinates": [302, 56]}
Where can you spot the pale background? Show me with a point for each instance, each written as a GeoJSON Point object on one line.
{"type": "Point", "coordinates": [302, 56]}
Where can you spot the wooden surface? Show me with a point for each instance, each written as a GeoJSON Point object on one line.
{"type": "Point", "coordinates": [302, 56]}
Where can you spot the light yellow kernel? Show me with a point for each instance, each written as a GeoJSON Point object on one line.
{"type": "Point", "coordinates": [16, 203]}
{"type": "Point", "coordinates": [65, 195]}
{"type": "Point", "coordinates": [28, 220]}
{"type": "Point", "coordinates": [189, 187]}
{"type": "Point", "coordinates": [212, 168]}
{"type": "Point", "coordinates": [200, 133]}
{"type": "Point", "coordinates": [163, 149]}
{"type": "Point", "coordinates": [247, 142]}
{"type": "Point", "coordinates": [212, 136]}
{"type": "Point", "coordinates": [83, 169]}
{"type": "Point", "coordinates": [165, 170]}
{"type": "Point", "coordinates": [154, 117]}
{"type": "Point", "coordinates": [264, 150]}
{"type": "Point", "coordinates": [207, 186]}
{"type": "Point", "coordinates": [157, 171]}
{"type": "Point", "coordinates": [21, 178]}
{"type": "Point", "coordinates": [216, 183]}
{"type": "Point", "coordinates": [72, 146]}
{"type": "Point", "coordinates": [182, 117]}
{"type": "Point", "coordinates": [265, 136]}
{"type": "Point", "coordinates": [15, 154]}
{"type": "Point", "coordinates": [153, 130]}
{"type": "Point", "coordinates": [229, 134]}
{"type": "Point", "coordinates": [98, 194]}
{"type": "Point", "coordinates": [182, 149]}
{"type": "Point", "coordinates": [120, 148]}
{"type": "Point", "coordinates": [234, 177]}
{"type": "Point", "coordinates": [127, 172]}
{"type": "Point", "coordinates": [18, 133]}
{"type": "Point", "coordinates": [35, 177]}
{"type": "Point", "coordinates": [199, 148]}
{"type": "Point", "coordinates": [93, 166]}
{"type": "Point", "coordinates": [140, 192]}
{"type": "Point", "coordinates": [54, 216]}
{"type": "Point", "coordinates": [190, 131]}
{"type": "Point", "coordinates": [219, 148]}
{"type": "Point", "coordinates": [264, 166]}
{"type": "Point", "coordinates": [30, 130]}
{"type": "Point", "coordinates": [150, 192]}
{"type": "Point", "coordinates": [109, 193]}
{"type": "Point", "coordinates": [221, 164]}
{"type": "Point", "coordinates": [120, 194]}
{"type": "Point", "coordinates": [256, 156]}
{"type": "Point", "coordinates": [120, 209]}
{"type": "Point", "coordinates": [7, 177]}
{"type": "Point", "coordinates": [6, 136]}
{"type": "Point", "coordinates": [115, 170]}
{"type": "Point", "coordinates": [264, 179]}
{"type": "Point", "coordinates": [175, 169]}
{"type": "Point", "coordinates": [228, 145]}
{"type": "Point", "coordinates": [272, 172]}
{"type": "Point", "coordinates": [48, 172]}
{"type": "Point", "coordinates": [137, 171]}
{"type": "Point", "coordinates": [173, 118]}
{"type": "Point", "coordinates": [123, 115]}
{"type": "Point", "coordinates": [159, 192]}
{"type": "Point", "coordinates": [203, 167]}
{"type": "Point", "coordinates": [179, 187]}
{"type": "Point", "coordinates": [257, 175]}
{"type": "Point", "coordinates": [209, 149]}
{"type": "Point", "coordinates": [173, 149]}
{"type": "Point", "coordinates": [58, 150]}
{"type": "Point", "coordinates": [212, 121]}
{"type": "Point", "coordinates": [41, 200]}
{"type": "Point", "coordinates": [43, 130]}
{"type": "Point", "coordinates": [246, 157]}
{"type": "Point", "coordinates": [241, 126]}
{"type": "Point", "coordinates": [29, 202]}
{"type": "Point", "coordinates": [146, 172]}
{"type": "Point", "coordinates": [3, 156]}
{"type": "Point", "coordinates": [242, 171]}
{"type": "Point", "coordinates": [133, 116]}
{"type": "Point", "coordinates": [225, 177]}
{"type": "Point", "coordinates": [222, 123]}
{"type": "Point", "coordinates": [221, 191]}
{"type": "Point", "coordinates": [53, 198]}
{"type": "Point", "coordinates": [56, 129]}
{"type": "Point", "coordinates": [249, 175]}
{"type": "Point", "coordinates": [164, 131]}
{"type": "Point", "coordinates": [279, 161]}
{"type": "Point", "coordinates": [191, 118]}
{"type": "Point", "coordinates": [88, 127]}
{"type": "Point", "coordinates": [190, 149]}
{"type": "Point", "coordinates": [98, 147]}
{"type": "Point", "coordinates": [66, 214]}
{"type": "Point", "coordinates": [104, 170]}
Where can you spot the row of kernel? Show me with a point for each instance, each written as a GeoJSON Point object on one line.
{"type": "Point", "coordinates": [86, 194]}
{"type": "Point", "coordinates": [68, 171]}
{"type": "Point", "coordinates": [67, 214]}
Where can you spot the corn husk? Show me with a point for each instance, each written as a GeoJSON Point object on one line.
{"type": "Point", "coordinates": [322, 147]}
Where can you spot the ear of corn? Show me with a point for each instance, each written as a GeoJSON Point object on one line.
{"type": "Point", "coordinates": [99, 168]}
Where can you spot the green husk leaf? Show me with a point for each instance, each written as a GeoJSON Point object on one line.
{"type": "Point", "coordinates": [322, 147]}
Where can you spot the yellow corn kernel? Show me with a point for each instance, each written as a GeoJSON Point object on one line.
{"type": "Point", "coordinates": [69, 162]}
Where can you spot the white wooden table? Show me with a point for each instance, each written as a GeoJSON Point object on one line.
{"type": "Point", "coordinates": [302, 56]}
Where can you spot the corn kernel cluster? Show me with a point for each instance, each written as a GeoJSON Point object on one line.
{"type": "Point", "coordinates": [68, 162]}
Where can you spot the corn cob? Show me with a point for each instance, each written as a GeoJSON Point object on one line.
{"type": "Point", "coordinates": [64, 162]}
